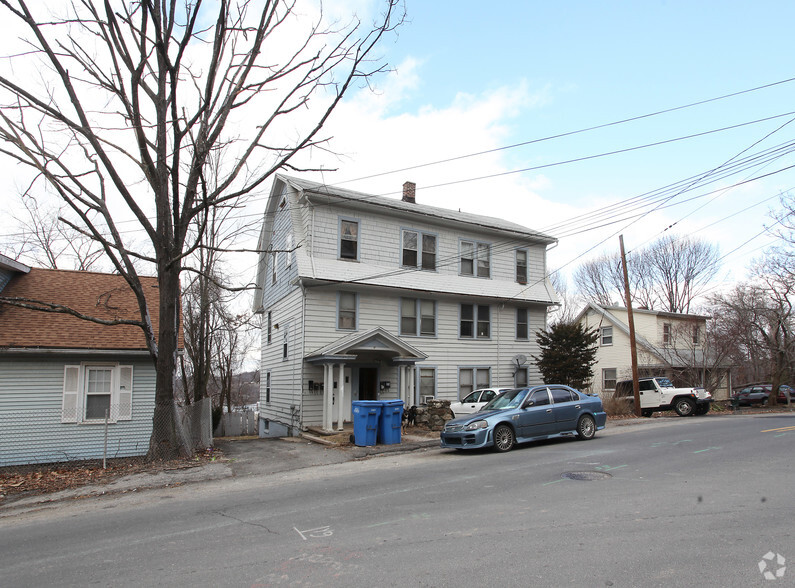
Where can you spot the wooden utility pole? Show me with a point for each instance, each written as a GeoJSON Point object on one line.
{"type": "Point", "coordinates": [633, 350]}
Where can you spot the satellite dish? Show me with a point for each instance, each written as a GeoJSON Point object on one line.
{"type": "Point", "coordinates": [519, 360]}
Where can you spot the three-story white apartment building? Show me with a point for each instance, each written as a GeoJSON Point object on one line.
{"type": "Point", "coordinates": [372, 298]}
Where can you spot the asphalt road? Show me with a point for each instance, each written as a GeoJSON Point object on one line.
{"type": "Point", "coordinates": [674, 502]}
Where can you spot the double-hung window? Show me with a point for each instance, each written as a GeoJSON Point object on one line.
{"type": "Point", "coordinates": [417, 317]}
{"type": "Point", "coordinates": [666, 333]}
{"type": "Point", "coordinates": [346, 311]}
{"type": "Point", "coordinates": [475, 259]}
{"type": "Point", "coordinates": [609, 377]}
{"type": "Point", "coordinates": [427, 383]}
{"type": "Point", "coordinates": [475, 321]}
{"type": "Point", "coordinates": [93, 392]}
{"type": "Point", "coordinates": [419, 250]}
{"type": "Point", "coordinates": [522, 331]}
{"type": "Point", "coordinates": [521, 266]}
{"type": "Point", "coordinates": [349, 239]}
{"type": "Point", "coordinates": [606, 336]}
{"type": "Point", "coordinates": [470, 379]}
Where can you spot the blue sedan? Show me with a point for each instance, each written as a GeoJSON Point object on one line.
{"type": "Point", "coordinates": [527, 414]}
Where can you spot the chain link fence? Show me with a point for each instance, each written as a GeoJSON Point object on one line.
{"type": "Point", "coordinates": [44, 437]}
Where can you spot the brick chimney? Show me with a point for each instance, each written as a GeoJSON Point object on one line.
{"type": "Point", "coordinates": [409, 190]}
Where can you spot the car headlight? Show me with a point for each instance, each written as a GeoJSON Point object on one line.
{"type": "Point", "coordinates": [476, 425]}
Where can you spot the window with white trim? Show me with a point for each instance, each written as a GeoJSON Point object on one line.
{"type": "Point", "coordinates": [475, 321]}
{"type": "Point", "coordinates": [270, 327]}
{"type": "Point", "coordinates": [274, 266]}
{"type": "Point", "coordinates": [95, 391]}
{"type": "Point", "coordinates": [606, 336]}
{"type": "Point", "coordinates": [521, 266]}
{"type": "Point", "coordinates": [470, 379]}
{"type": "Point", "coordinates": [346, 311]}
{"type": "Point", "coordinates": [349, 239]}
{"type": "Point", "coordinates": [609, 377]}
{"type": "Point", "coordinates": [418, 250]}
{"type": "Point", "coordinates": [475, 259]}
{"type": "Point", "coordinates": [267, 388]}
{"type": "Point", "coordinates": [666, 333]}
{"type": "Point", "coordinates": [417, 317]}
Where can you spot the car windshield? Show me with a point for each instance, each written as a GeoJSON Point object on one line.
{"type": "Point", "coordinates": [665, 383]}
{"type": "Point", "coordinates": [508, 399]}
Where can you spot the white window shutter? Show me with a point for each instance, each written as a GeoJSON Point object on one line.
{"type": "Point", "coordinates": [71, 394]}
{"type": "Point", "coordinates": [125, 393]}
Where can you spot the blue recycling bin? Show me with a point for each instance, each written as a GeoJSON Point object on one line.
{"type": "Point", "coordinates": [366, 414]}
{"type": "Point", "coordinates": [391, 421]}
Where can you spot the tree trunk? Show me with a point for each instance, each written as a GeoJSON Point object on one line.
{"type": "Point", "coordinates": [168, 440]}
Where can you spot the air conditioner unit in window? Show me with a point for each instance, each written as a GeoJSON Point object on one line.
{"type": "Point", "coordinates": [427, 399]}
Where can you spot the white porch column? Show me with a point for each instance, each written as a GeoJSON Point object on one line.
{"type": "Point", "coordinates": [403, 383]}
{"type": "Point", "coordinates": [328, 395]}
{"type": "Point", "coordinates": [410, 376]}
{"type": "Point", "coordinates": [341, 398]}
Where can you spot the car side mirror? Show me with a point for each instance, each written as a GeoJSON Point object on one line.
{"type": "Point", "coordinates": [529, 403]}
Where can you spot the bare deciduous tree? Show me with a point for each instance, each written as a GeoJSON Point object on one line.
{"type": "Point", "coordinates": [668, 275]}
{"type": "Point", "coordinates": [132, 98]}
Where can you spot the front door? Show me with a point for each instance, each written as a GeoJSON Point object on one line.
{"type": "Point", "coordinates": [368, 383]}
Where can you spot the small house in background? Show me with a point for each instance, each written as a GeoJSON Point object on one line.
{"type": "Point", "coordinates": [668, 344]}
{"type": "Point", "coordinates": [365, 297]}
{"type": "Point", "coordinates": [62, 378]}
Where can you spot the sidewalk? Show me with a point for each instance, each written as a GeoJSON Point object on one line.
{"type": "Point", "coordinates": [239, 456]}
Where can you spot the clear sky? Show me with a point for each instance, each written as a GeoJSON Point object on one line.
{"type": "Point", "coordinates": [474, 76]}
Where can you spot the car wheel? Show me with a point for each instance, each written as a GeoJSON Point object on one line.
{"type": "Point", "coordinates": [765, 401]}
{"type": "Point", "coordinates": [646, 412]}
{"type": "Point", "coordinates": [685, 407]}
{"type": "Point", "coordinates": [586, 427]}
{"type": "Point", "coordinates": [504, 438]}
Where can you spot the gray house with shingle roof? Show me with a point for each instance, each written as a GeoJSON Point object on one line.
{"type": "Point", "coordinates": [62, 378]}
{"type": "Point", "coordinates": [366, 297]}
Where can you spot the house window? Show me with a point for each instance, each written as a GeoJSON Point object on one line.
{"type": "Point", "coordinates": [475, 321]}
{"type": "Point", "coordinates": [346, 311]}
{"type": "Point", "coordinates": [274, 266]}
{"type": "Point", "coordinates": [427, 382]}
{"type": "Point", "coordinates": [520, 378]}
{"type": "Point", "coordinates": [93, 391]}
{"type": "Point", "coordinates": [475, 259]}
{"type": "Point", "coordinates": [270, 327]}
{"type": "Point", "coordinates": [349, 239]}
{"type": "Point", "coordinates": [521, 324]}
{"type": "Point", "coordinates": [284, 346]}
{"type": "Point", "coordinates": [609, 379]}
{"type": "Point", "coordinates": [666, 333]}
{"type": "Point", "coordinates": [696, 334]}
{"type": "Point", "coordinates": [419, 249]}
{"type": "Point", "coordinates": [470, 379]}
{"type": "Point", "coordinates": [606, 336]}
{"type": "Point", "coordinates": [267, 388]}
{"type": "Point", "coordinates": [521, 266]}
{"type": "Point", "coordinates": [412, 309]}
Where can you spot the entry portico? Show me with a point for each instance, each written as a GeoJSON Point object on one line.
{"type": "Point", "coordinates": [369, 362]}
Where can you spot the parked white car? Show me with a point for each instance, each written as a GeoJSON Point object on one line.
{"type": "Point", "coordinates": [475, 401]}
